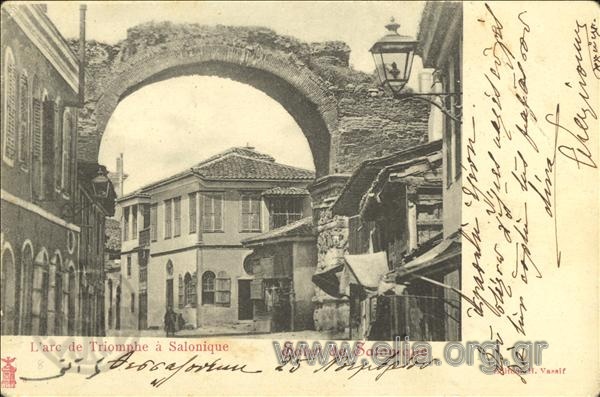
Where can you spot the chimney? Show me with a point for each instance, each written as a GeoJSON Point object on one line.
{"type": "Point", "coordinates": [82, 10]}
{"type": "Point", "coordinates": [120, 175]}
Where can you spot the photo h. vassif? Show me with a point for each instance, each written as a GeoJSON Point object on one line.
{"type": "Point", "coordinates": [188, 173]}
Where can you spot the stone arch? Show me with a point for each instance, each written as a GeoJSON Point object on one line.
{"type": "Point", "coordinates": [279, 74]}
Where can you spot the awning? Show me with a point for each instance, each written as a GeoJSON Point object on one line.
{"type": "Point", "coordinates": [368, 269]}
{"type": "Point", "coordinates": [328, 281]}
{"type": "Point", "coordinates": [445, 251]}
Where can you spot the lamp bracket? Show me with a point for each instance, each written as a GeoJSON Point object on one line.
{"type": "Point", "coordinates": [442, 106]}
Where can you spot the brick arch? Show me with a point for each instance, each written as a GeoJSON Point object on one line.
{"type": "Point", "coordinates": [294, 86]}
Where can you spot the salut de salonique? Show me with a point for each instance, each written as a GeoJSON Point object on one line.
{"type": "Point", "coordinates": [104, 346]}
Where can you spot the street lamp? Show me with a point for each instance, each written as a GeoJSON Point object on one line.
{"type": "Point", "coordinates": [393, 55]}
{"type": "Point", "coordinates": [101, 185]}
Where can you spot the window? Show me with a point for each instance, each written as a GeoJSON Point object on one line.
{"type": "Point", "coordinates": [145, 211]}
{"type": "Point", "coordinates": [177, 217]}
{"type": "Point", "coordinates": [168, 215]}
{"type": "Point", "coordinates": [58, 145]}
{"type": "Point", "coordinates": [189, 290]}
{"type": "Point", "coordinates": [48, 147]}
{"type": "Point", "coordinates": [128, 266]}
{"type": "Point", "coordinates": [126, 224]}
{"type": "Point", "coordinates": [134, 221]}
{"type": "Point", "coordinates": [153, 222]}
{"type": "Point", "coordinates": [192, 212]}
{"type": "Point", "coordinates": [24, 120]}
{"type": "Point", "coordinates": [250, 212]}
{"type": "Point", "coordinates": [223, 289]}
{"type": "Point", "coordinates": [212, 212]}
{"type": "Point", "coordinates": [208, 288]}
{"type": "Point", "coordinates": [143, 276]}
{"type": "Point", "coordinates": [284, 210]}
{"type": "Point", "coordinates": [67, 133]}
{"type": "Point", "coordinates": [9, 142]}
{"type": "Point", "coordinates": [132, 302]}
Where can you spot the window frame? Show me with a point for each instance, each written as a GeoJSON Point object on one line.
{"type": "Point", "coordinates": [253, 196]}
{"type": "Point", "coordinates": [154, 222]}
{"type": "Point", "coordinates": [205, 217]}
{"type": "Point", "coordinates": [126, 223]}
{"type": "Point", "coordinates": [192, 213]}
{"type": "Point", "coordinates": [290, 216]}
{"type": "Point", "coordinates": [168, 219]}
{"type": "Point", "coordinates": [176, 216]}
{"type": "Point", "coordinates": [207, 278]}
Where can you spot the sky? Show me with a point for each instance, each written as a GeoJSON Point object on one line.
{"type": "Point", "coordinates": [167, 126]}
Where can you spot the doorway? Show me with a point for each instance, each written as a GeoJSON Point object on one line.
{"type": "Point", "coordinates": [244, 301]}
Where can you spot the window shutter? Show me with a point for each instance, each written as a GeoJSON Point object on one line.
{"type": "Point", "coordinates": [177, 216]}
{"type": "Point", "coordinates": [192, 212]}
{"type": "Point", "coordinates": [217, 206]}
{"type": "Point", "coordinates": [10, 139]}
{"type": "Point", "coordinates": [194, 289]}
{"type": "Point", "coordinates": [255, 213]}
{"type": "Point", "coordinates": [180, 287]}
{"type": "Point", "coordinates": [58, 146]}
{"type": "Point", "coordinates": [48, 147]}
{"type": "Point", "coordinates": [24, 122]}
{"type": "Point", "coordinates": [245, 212]}
{"type": "Point", "coordinates": [37, 147]}
{"type": "Point", "coordinates": [207, 216]}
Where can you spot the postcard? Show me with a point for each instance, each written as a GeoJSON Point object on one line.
{"type": "Point", "coordinates": [300, 198]}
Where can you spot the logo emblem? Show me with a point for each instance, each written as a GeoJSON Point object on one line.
{"type": "Point", "coordinates": [8, 373]}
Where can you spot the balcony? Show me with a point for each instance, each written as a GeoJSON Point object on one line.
{"type": "Point", "coordinates": [144, 238]}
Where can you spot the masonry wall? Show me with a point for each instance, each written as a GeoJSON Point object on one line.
{"type": "Point", "coordinates": [342, 110]}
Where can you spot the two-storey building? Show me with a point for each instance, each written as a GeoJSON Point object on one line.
{"type": "Point", "coordinates": [181, 237]}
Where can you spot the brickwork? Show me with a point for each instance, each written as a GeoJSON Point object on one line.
{"type": "Point", "coordinates": [343, 114]}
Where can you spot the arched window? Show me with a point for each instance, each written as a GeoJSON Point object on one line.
{"type": "Point", "coordinates": [58, 295]}
{"type": "Point", "coordinates": [72, 299]}
{"type": "Point", "coordinates": [189, 283]}
{"type": "Point", "coordinates": [9, 142]}
{"type": "Point", "coordinates": [10, 304]}
{"type": "Point", "coordinates": [223, 289]}
{"type": "Point", "coordinates": [41, 287]}
{"type": "Point", "coordinates": [208, 288]}
{"type": "Point", "coordinates": [26, 284]}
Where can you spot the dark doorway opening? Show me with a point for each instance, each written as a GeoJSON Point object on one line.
{"type": "Point", "coordinates": [244, 302]}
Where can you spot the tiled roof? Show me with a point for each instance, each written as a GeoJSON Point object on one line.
{"type": "Point", "coordinates": [286, 191]}
{"type": "Point", "coordinates": [235, 164]}
{"type": "Point", "coordinates": [300, 228]}
{"type": "Point", "coordinates": [242, 151]}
